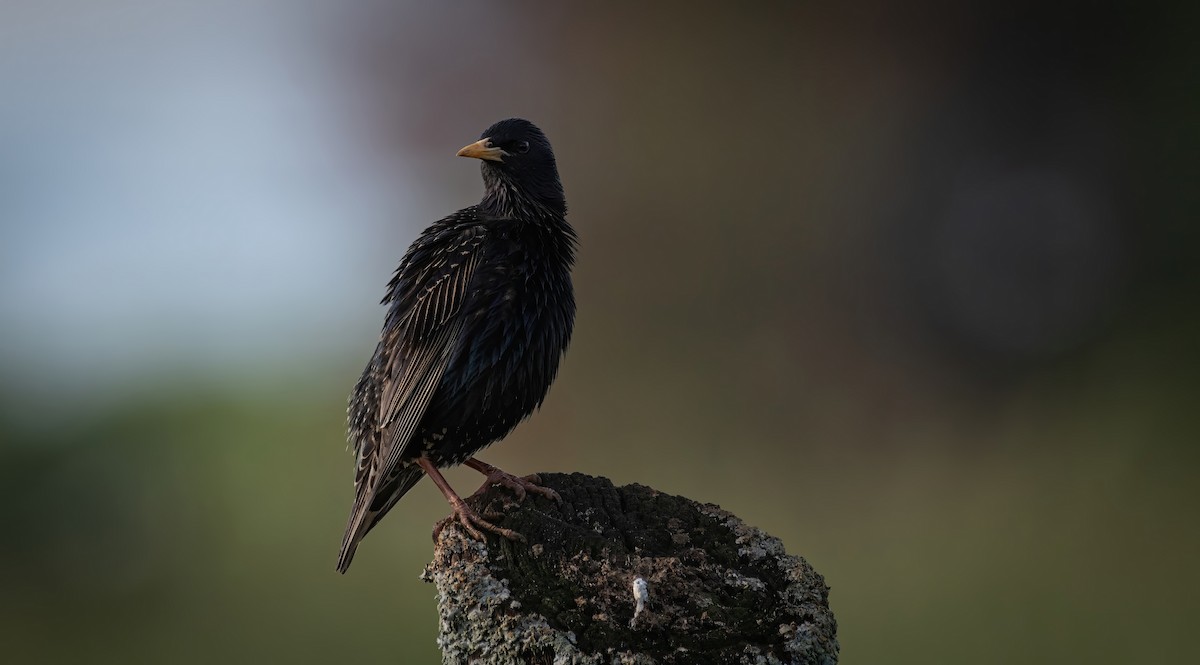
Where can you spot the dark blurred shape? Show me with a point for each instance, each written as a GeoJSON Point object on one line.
{"type": "Point", "coordinates": [1023, 264]}
{"type": "Point", "coordinates": [1012, 246]}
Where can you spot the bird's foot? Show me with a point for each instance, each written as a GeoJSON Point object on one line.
{"type": "Point", "coordinates": [470, 520]}
{"type": "Point", "coordinates": [520, 485]}
{"type": "Point", "coordinates": [473, 522]}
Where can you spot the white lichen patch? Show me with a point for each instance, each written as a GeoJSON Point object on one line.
{"type": "Point", "coordinates": [641, 594]}
{"type": "Point", "coordinates": [476, 618]}
{"type": "Point", "coordinates": [737, 580]}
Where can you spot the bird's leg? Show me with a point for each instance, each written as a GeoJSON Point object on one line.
{"type": "Point", "coordinates": [517, 484]}
{"type": "Point", "coordinates": [466, 516]}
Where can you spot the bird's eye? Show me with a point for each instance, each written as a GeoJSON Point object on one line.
{"type": "Point", "coordinates": [522, 147]}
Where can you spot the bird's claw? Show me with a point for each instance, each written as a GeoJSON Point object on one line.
{"type": "Point", "coordinates": [519, 485]}
{"type": "Point", "coordinates": [472, 522]}
{"type": "Point", "coordinates": [533, 483]}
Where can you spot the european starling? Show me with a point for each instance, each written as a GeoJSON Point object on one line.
{"type": "Point", "coordinates": [480, 312]}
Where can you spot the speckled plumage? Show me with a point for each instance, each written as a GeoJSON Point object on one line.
{"type": "Point", "coordinates": [480, 312]}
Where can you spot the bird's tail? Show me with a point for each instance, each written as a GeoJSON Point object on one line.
{"type": "Point", "coordinates": [360, 515]}
{"type": "Point", "coordinates": [370, 507]}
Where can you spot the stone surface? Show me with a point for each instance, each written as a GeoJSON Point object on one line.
{"type": "Point", "coordinates": [719, 590]}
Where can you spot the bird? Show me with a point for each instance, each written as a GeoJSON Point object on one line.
{"type": "Point", "coordinates": [479, 315]}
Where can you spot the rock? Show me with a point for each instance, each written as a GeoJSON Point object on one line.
{"type": "Point", "coordinates": [717, 589]}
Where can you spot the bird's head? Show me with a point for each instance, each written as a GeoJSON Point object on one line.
{"type": "Point", "coordinates": [516, 155]}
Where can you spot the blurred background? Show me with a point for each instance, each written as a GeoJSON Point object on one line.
{"type": "Point", "coordinates": [913, 289]}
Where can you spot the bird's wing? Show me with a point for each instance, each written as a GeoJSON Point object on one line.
{"type": "Point", "coordinates": [423, 337]}
{"type": "Point", "coordinates": [419, 337]}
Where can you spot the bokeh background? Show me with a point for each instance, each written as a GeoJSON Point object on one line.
{"type": "Point", "coordinates": [912, 288]}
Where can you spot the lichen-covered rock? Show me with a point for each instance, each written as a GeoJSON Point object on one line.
{"type": "Point", "coordinates": [719, 590]}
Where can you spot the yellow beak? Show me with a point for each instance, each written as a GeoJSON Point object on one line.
{"type": "Point", "coordinates": [483, 149]}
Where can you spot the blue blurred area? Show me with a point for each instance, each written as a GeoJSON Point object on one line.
{"type": "Point", "coordinates": [189, 187]}
{"type": "Point", "coordinates": [913, 289]}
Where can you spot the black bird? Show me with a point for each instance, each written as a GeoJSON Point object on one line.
{"type": "Point", "coordinates": [480, 312]}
